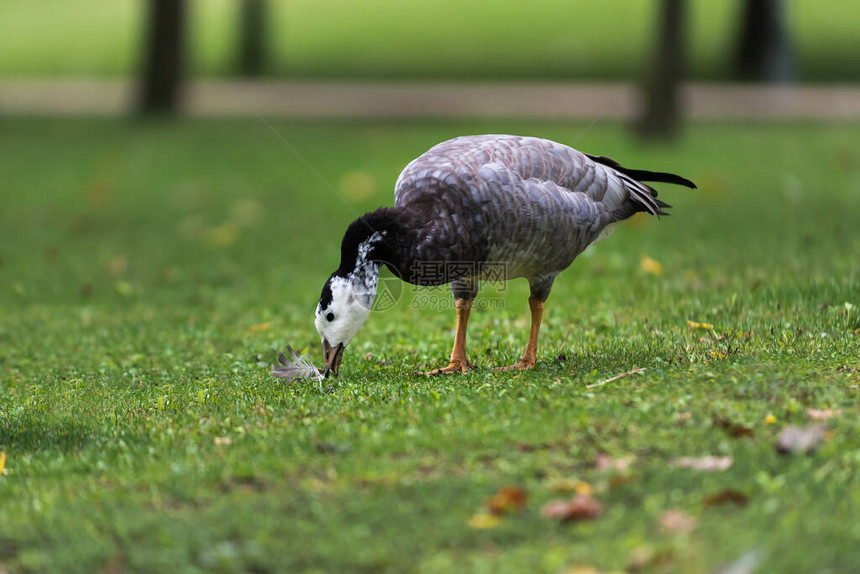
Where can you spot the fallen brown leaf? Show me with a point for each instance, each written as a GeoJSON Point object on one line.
{"type": "Point", "coordinates": [735, 430]}
{"type": "Point", "coordinates": [797, 440]}
{"type": "Point", "coordinates": [639, 558]}
{"type": "Point", "coordinates": [646, 557]}
{"type": "Point", "coordinates": [725, 497]}
{"type": "Point", "coordinates": [603, 462]}
{"type": "Point", "coordinates": [570, 485]}
{"type": "Point", "coordinates": [823, 415]}
{"type": "Point", "coordinates": [677, 521]}
{"type": "Point", "coordinates": [509, 498]}
{"type": "Point", "coordinates": [580, 507]}
{"type": "Point", "coordinates": [706, 463]}
{"type": "Point", "coordinates": [618, 480]}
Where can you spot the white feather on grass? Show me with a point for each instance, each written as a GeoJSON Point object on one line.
{"type": "Point", "coordinates": [295, 368]}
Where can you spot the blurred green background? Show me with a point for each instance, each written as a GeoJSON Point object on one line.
{"type": "Point", "coordinates": [445, 39]}
{"type": "Point", "coordinates": [152, 266]}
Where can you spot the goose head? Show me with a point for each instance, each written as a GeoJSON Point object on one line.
{"type": "Point", "coordinates": [347, 295]}
{"type": "Point", "coordinates": [343, 307]}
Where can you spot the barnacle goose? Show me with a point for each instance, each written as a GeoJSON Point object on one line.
{"type": "Point", "coordinates": [475, 205]}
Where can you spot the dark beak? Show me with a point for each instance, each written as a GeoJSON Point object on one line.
{"type": "Point", "coordinates": [333, 356]}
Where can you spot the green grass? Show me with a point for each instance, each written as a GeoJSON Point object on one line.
{"type": "Point", "coordinates": [148, 273]}
{"type": "Point", "coordinates": [476, 39]}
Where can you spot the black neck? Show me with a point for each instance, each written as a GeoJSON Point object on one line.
{"type": "Point", "coordinates": [392, 248]}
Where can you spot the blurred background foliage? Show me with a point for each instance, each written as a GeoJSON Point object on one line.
{"type": "Point", "coordinates": [404, 39]}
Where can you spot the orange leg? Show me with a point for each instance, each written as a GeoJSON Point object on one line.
{"type": "Point", "coordinates": [458, 363]}
{"type": "Point", "coordinates": [530, 356]}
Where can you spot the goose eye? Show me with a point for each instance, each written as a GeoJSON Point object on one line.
{"type": "Point", "coordinates": [329, 317]}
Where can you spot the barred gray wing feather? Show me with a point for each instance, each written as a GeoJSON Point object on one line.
{"type": "Point", "coordinates": [459, 162]}
{"type": "Point", "coordinates": [535, 226]}
{"type": "Point", "coordinates": [529, 203]}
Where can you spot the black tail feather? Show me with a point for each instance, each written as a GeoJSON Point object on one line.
{"type": "Point", "coordinates": [643, 175]}
{"type": "Point", "coordinates": [659, 176]}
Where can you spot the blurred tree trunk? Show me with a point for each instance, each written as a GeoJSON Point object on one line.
{"type": "Point", "coordinates": [161, 78]}
{"type": "Point", "coordinates": [661, 109]}
{"type": "Point", "coordinates": [252, 38]}
{"type": "Point", "coordinates": [763, 48]}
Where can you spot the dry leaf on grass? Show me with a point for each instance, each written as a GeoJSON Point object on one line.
{"type": "Point", "coordinates": [619, 480]}
{"type": "Point", "coordinates": [706, 463]}
{"type": "Point", "coordinates": [482, 521]}
{"type": "Point", "coordinates": [570, 485]}
{"type": "Point", "coordinates": [580, 507]}
{"type": "Point", "coordinates": [651, 266]}
{"type": "Point", "coordinates": [561, 485]}
{"type": "Point", "coordinates": [823, 415]}
{"type": "Point", "coordinates": [677, 521]}
{"type": "Point", "coordinates": [735, 430]}
{"type": "Point", "coordinates": [582, 487]}
{"type": "Point", "coordinates": [508, 499]}
{"type": "Point", "coordinates": [603, 462]}
{"type": "Point", "coordinates": [725, 497]}
{"type": "Point", "coordinates": [259, 328]}
{"type": "Point", "coordinates": [647, 558]}
{"type": "Point", "coordinates": [801, 440]}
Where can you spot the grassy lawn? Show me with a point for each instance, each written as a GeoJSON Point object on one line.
{"type": "Point", "coordinates": [474, 39]}
{"type": "Point", "coordinates": [148, 273]}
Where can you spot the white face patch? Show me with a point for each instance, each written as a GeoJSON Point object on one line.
{"type": "Point", "coordinates": [349, 308]}
{"type": "Point", "coordinates": [352, 298]}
